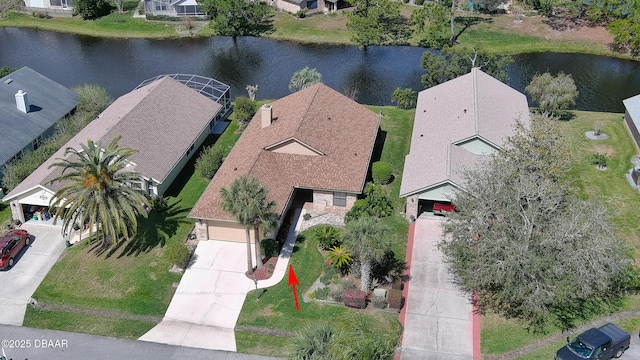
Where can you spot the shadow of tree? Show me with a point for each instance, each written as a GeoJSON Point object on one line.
{"type": "Point", "coordinates": [152, 231]}
{"type": "Point", "coordinates": [468, 21]}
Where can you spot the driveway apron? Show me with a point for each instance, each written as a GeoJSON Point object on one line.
{"type": "Point", "coordinates": [439, 321]}
{"type": "Point", "coordinates": [204, 310]}
{"type": "Point", "coordinates": [20, 282]}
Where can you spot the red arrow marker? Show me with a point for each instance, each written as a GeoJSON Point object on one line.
{"type": "Point", "coordinates": [293, 281]}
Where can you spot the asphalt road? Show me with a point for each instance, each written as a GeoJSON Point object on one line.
{"type": "Point", "coordinates": [36, 344]}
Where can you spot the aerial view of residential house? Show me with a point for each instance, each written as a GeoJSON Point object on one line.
{"type": "Point", "coordinates": [294, 6]}
{"type": "Point", "coordinates": [632, 117]}
{"type": "Point", "coordinates": [31, 104]}
{"type": "Point", "coordinates": [456, 123]}
{"type": "Point", "coordinates": [314, 146]}
{"type": "Point", "coordinates": [165, 119]}
{"type": "Point", "coordinates": [57, 7]}
{"type": "Point", "coordinates": [173, 8]}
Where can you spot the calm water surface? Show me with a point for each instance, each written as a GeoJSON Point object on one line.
{"type": "Point", "coordinates": [120, 65]}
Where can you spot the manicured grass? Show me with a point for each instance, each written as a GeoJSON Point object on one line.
{"type": "Point", "coordinates": [5, 212]}
{"type": "Point", "coordinates": [610, 187]}
{"type": "Point", "coordinates": [261, 344]}
{"type": "Point", "coordinates": [113, 26]}
{"type": "Point", "coordinates": [133, 278]}
{"type": "Point", "coordinates": [276, 308]}
{"type": "Point", "coordinates": [323, 28]}
{"type": "Point", "coordinates": [84, 323]}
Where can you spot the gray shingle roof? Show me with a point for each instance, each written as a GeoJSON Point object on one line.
{"type": "Point", "coordinates": [160, 120]}
{"type": "Point", "coordinates": [49, 102]}
{"type": "Point", "coordinates": [474, 105]}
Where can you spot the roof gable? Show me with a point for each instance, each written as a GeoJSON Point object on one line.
{"type": "Point", "coordinates": [472, 106]}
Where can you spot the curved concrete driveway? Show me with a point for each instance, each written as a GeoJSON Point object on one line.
{"type": "Point", "coordinates": [20, 282]}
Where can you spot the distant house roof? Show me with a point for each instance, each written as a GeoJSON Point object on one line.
{"type": "Point", "coordinates": [161, 120]}
{"type": "Point", "coordinates": [337, 132]}
{"type": "Point", "coordinates": [632, 105]}
{"type": "Point", "coordinates": [472, 107]}
{"type": "Point", "coordinates": [49, 102]}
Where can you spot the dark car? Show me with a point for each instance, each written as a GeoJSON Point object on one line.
{"type": "Point", "coordinates": [10, 245]}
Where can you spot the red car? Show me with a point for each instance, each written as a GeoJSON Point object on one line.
{"type": "Point", "coordinates": [10, 245]}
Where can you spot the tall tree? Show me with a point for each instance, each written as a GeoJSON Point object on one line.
{"type": "Point", "coordinates": [457, 61]}
{"type": "Point", "coordinates": [406, 98]}
{"type": "Point", "coordinates": [304, 78]}
{"type": "Point", "coordinates": [6, 5]}
{"type": "Point", "coordinates": [366, 238]}
{"type": "Point", "coordinates": [248, 202]}
{"type": "Point", "coordinates": [96, 189]}
{"type": "Point", "coordinates": [92, 9]}
{"type": "Point", "coordinates": [237, 17]}
{"type": "Point", "coordinates": [553, 93]}
{"type": "Point", "coordinates": [432, 21]}
{"type": "Point", "coordinates": [527, 245]}
{"type": "Point", "coordinates": [377, 22]}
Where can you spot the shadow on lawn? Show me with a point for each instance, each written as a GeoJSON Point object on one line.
{"type": "Point", "coordinates": [152, 231]}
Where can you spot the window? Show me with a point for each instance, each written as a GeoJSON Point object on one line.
{"type": "Point", "coordinates": [56, 2]}
{"type": "Point", "coordinates": [160, 5]}
{"type": "Point", "coordinates": [339, 198]}
{"type": "Point", "coordinates": [37, 142]}
{"type": "Point", "coordinates": [136, 185]}
{"type": "Point", "coordinates": [190, 150]}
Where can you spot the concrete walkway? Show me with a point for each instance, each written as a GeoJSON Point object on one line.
{"type": "Point", "coordinates": [205, 308]}
{"type": "Point", "coordinates": [439, 322]}
{"type": "Point", "coordinates": [34, 262]}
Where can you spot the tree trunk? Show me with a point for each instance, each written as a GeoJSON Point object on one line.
{"type": "Point", "coordinates": [259, 263]}
{"type": "Point", "coordinates": [452, 39]}
{"type": "Point", "coordinates": [365, 275]}
{"type": "Point", "coordinates": [249, 263]}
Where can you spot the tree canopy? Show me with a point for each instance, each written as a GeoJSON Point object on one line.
{"type": "Point", "coordinates": [431, 21]}
{"type": "Point", "coordinates": [553, 93]}
{"type": "Point", "coordinates": [367, 239]}
{"type": "Point", "coordinates": [304, 78]}
{"type": "Point", "coordinates": [377, 22]}
{"type": "Point", "coordinates": [406, 98]}
{"type": "Point", "coordinates": [92, 9]}
{"type": "Point", "coordinates": [457, 61]}
{"type": "Point", "coordinates": [237, 17]}
{"type": "Point", "coordinates": [525, 244]}
{"type": "Point", "coordinates": [96, 190]}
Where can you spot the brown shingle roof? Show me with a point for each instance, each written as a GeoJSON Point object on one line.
{"type": "Point", "coordinates": [341, 129]}
{"type": "Point", "coordinates": [474, 105]}
{"type": "Point", "coordinates": [160, 120]}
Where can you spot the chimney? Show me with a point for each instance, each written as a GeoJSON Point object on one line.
{"type": "Point", "coordinates": [22, 102]}
{"type": "Point", "coordinates": [266, 116]}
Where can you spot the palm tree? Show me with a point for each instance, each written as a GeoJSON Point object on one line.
{"type": "Point", "coordinates": [366, 237]}
{"type": "Point", "coordinates": [97, 190]}
{"type": "Point", "coordinates": [247, 201]}
{"type": "Point", "coordinates": [304, 78]}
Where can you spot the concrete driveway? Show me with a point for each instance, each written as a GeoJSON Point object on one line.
{"type": "Point", "coordinates": [205, 308]}
{"type": "Point", "coordinates": [20, 282]}
{"type": "Point", "coordinates": [438, 319]}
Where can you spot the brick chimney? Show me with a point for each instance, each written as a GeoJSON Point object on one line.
{"type": "Point", "coordinates": [265, 115]}
{"type": "Point", "coordinates": [22, 102]}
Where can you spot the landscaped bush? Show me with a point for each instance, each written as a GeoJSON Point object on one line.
{"type": "Point", "coordinates": [397, 284]}
{"type": "Point", "coordinates": [130, 5]}
{"type": "Point", "coordinates": [376, 203]}
{"type": "Point", "coordinates": [379, 302]}
{"type": "Point", "coordinates": [210, 161]}
{"type": "Point", "coordinates": [327, 236]}
{"type": "Point", "coordinates": [270, 247]}
{"type": "Point", "coordinates": [178, 254]}
{"type": "Point", "coordinates": [244, 109]}
{"type": "Point", "coordinates": [322, 294]}
{"type": "Point", "coordinates": [394, 297]}
{"type": "Point", "coordinates": [355, 298]}
{"type": "Point", "coordinates": [381, 172]}
{"type": "Point", "coordinates": [419, 2]}
{"type": "Point", "coordinates": [328, 275]}
{"type": "Point", "coordinates": [340, 258]}
{"type": "Point", "coordinates": [163, 17]}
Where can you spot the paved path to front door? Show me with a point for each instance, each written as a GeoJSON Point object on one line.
{"type": "Point", "coordinates": [34, 262]}
{"type": "Point", "coordinates": [439, 322]}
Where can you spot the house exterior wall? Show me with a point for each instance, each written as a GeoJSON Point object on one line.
{"type": "Point", "coordinates": [632, 128]}
{"type": "Point", "coordinates": [289, 7]}
{"type": "Point", "coordinates": [411, 207]}
{"type": "Point", "coordinates": [441, 193]}
{"type": "Point", "coordinates": [478, 147]}
{"type": "Point", "coordinates": [226, 230]}
{"type": "Point", "coordinates": [293, 147]}
{"type": "Point", "coordinates": [323, 200]}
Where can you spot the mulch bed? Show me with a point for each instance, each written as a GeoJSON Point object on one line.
{"type": "Point", "coordinates": [264, 274]}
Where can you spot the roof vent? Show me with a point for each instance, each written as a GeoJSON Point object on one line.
{"type": "Point", "coordinates": [266, 115]}
{"type": "Point", "coordinates": [22, 102]}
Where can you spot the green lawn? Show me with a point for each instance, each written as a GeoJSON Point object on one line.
{"type": "Point", "coordinates": [612, 188]}
{"type": "Point", "coordinates": [132, 279]}
{"type": "Point", "coordinates": [5, 213]}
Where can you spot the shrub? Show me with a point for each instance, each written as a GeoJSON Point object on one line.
{"type": "Point", "coordinates": [313, 341]}
{"type": "Point", "coordinates": [92, 9]}
{"type": "Point", "coordinates": [130, 5]}
{"type": "Point", "coordinates": [599, 160]}
{"type": "Point", "coordinates": [302, 13]}
{"type": "Point", "coordinates": [322, 294]}
{"type": "Point", "coordinates": [376, 203]}
{"type": "Point", "coordinates": [394, 296]}
{"type": "Point", "coordinates": [381, 172]}
{"type": "Point", "coordinates": [270, 247]}
{"type": "Point", "coordinates": [244, 109]}
{"type": "Point", "coordinates": [327, 236]}
{"type": "Point", "coordinates": [397, 284]}
{"type": "Point", "coordinates": [379, 302]}
{"type": "Point", "coordinates": [210, 161]}
{"type": "Point", "coordinates": [307, 216]}
{"type": "Point", "coordinates": [178, 254]}
{"type": "Point", "coordinates": [328, 274]}
{"type": "Point", "coordinates": [340, 257]}
{"type": "Point", "coordinates": [419, 2]}
{"type": "Point", "coordinates": [359, 208]}
{"type": "Point", "coordinates": [355, 298]}
{"type": "Point", "coordinates": [337, 291]}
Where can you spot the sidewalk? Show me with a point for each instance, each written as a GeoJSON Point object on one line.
{"type": "Point", "coordinates": [439, 321]}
